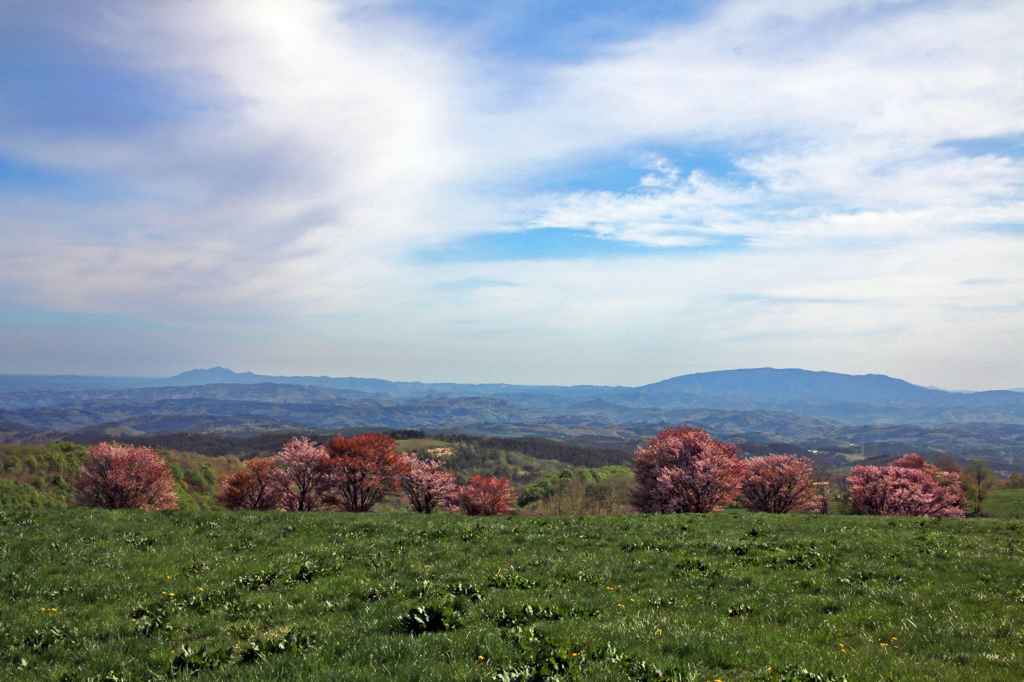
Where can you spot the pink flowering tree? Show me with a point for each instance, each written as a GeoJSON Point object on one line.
{"type": "Point", "coordinates": [901, 491]}
{"type": "Point", "coordinates": [686, 470]}
{"type": "Point", "coordinates": [301, 474]}
{"type": "Point", "coordinates": [426, 486]}
{"type": "Point", "coordinates": [779, 484]}
{"type": "Point", "coordinates": [486, 496]}
{"type": "Point", "coordinates": [125, 476]}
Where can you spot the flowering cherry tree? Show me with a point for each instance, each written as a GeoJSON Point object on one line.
{"type": "Point", "coordinates": [778, 484]}
{"type": "Point", "coordinates": [361, 471]}
{"type": "Point", "coordinates": [686, 470]}
{"type": "Point", "coordinates": [125, 476]}
{"type": "Point", "coordinates": [486, 496]}
{"type": "Point", "coordinates": [426, 486]}
{"type": "Point", "coordinates": [302, 469]}
{"type": "Point", "coordinates": [254, 487]}
{"type": "Point", "coordinates": [902, 491]}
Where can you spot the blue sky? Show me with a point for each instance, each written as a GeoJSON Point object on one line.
{"type": "Point", "coordinates": [523, 192]}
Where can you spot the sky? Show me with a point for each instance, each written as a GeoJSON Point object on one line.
{"type": "Point", "coordinates": [520, 191]}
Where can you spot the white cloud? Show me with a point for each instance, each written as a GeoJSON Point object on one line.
{"type": "Point", "coordinates": [314, 146]}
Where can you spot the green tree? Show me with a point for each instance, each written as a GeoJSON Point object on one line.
{"type": "Point", "coordinates": [979, 480]}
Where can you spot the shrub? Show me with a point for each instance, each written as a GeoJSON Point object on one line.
{"type": "Point", "coordinates": [426, 486]}
{"type": "Point", "coordinates": [125, 476]}
{"type": "Point", "coordinates": [254, 487]}
{"type": "Point", "coordinates": [901, 491]}
{"type": "Point", "coordinates": [486, 496]}
{"type": "Point", "coordinates": [686, 470]}
{"type": "Point", "coordinates": [778, 484]}
{"type": "Point", "coordinates": [361, 471]}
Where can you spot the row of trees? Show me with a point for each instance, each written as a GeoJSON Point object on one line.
{"type": "Point", "coordinates": [686, 470]}
{"type": "Point", "coordinates": [348, 474]}
{"type": "Point", "coordinates": [681, 470]}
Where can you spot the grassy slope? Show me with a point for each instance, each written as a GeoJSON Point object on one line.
{"type": "Point", "coordinates": [1005, 504]}
{"type": "Point", "coordinates": [726, 596]}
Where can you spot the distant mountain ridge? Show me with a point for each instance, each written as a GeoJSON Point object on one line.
{"type": "Point", "coordinates": [220, 398]}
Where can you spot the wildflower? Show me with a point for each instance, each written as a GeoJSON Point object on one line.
{"type": "Point", "coordinates": [172, 594]}
{"type": "Point", "coordinates": [480, 657]}
{"type": "Point", "coordinates": [894, 639]}
{"type": "Point", "coordinates": [884, 644]}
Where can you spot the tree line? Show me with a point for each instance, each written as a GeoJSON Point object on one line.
{"type": "Point", "coordinates": [680, 470]}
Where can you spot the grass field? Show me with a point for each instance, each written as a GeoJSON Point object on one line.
{"type": "Point", "coordinates": [127, 595]}
{"type": "Point", "coordinates": [1007, 503]}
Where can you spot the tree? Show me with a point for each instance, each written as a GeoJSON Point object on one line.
{"type": "Point", "coordinates": [426, 486]}
{"type": "Point", "coordinates": [901, 491]}
{"type": "Point", "coordinates": [979, 481]}
{"type": "Point", "coordinates": [486, 496]}
{"type": "Point", "coordinates": [361, 471]}
{"type": "Point", "coordinates": [120, 476]}
{"type": "Point", "coordinates": [686, 470]}
{"type": "Point", "coordinates": [1016, 481]}
{"type": "Point", "coordinates": [948, 463]}
{"type": "Point", "coordinates": [778, 484]}
{"type": "Point", "coordinates": [302, 470]}
{"type": "Point", "coordinates": [256, 486]}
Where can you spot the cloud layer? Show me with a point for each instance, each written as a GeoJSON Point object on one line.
{"type": "Point", "coordinates": [278, 186]}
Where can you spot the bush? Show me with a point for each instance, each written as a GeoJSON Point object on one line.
{"type": "Point", "coordinates": [125, 476]}
{"type": "Point", "coordinates": [361, 471]}
{"type": "Point", "coordinates": [901, 491]}
{"type": "Point", "coordinates": [486, 496]}
{"type": "Point", "coordinates": [686, 470]}
{"type": "Point", "coordinates": [778, 484]}
{"type": "Point", "coordinates": [426, 486]}
{"type": "Point", "coordinates": [254, 487]}
{"type": "Point", "coordinates": [302, 473]}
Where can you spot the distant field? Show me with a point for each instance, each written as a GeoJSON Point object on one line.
{"type": "Point", "coordinates": [1005, 504]}
{"type": "Point", "coordinates": [417, 443]}
{"type": "Point", "coordinates": [91, 594]}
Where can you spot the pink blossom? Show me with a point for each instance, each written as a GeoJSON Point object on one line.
{"type": "Point", "coordinates": [301, 472]}
{"type": "Point", "coordinates": [125, 476]}
{"type": "Point", "coordinates": [686, 470]}
{"type": "Point", "coordinates": [778, 484]}
{"type": "Point", "coordinates": [426, 486]}
{"type": "Point", "coordinates": [901, 491]}
{"type": "Point", "coordinates": [486, 496]}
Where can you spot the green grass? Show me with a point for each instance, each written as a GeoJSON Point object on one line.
{"type": "Point", "coordinates": [87, 595]}
{"type": "Point", "coordinates": [1005, 504]}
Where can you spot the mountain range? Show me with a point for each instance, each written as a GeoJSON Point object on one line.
{"type": "Point", "coordinates": [789, 404]}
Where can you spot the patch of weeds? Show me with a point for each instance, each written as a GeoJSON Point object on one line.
{"type": "Point", "coordinates": [741, 610]}
{"type": "Point", "coordinates": [583, 577]}
{"type": "Point", "coordinates": [258, 580]}
{"type": "Point", "coordinates": [260, 649]}
{"type": "Point", "coordinates": [511, 580]}
{"type": "Point", "coordinates": [691, 566]}
{"type": "Point", "coordinates": [470, 591]}
{"type": "Point", "coordinates": [191, 661]}
{"type": "Point", "coordinates": [432, 618]}
{"type": "Point", "coordinates": [796, 674]}
{"type": "Point", "coordinates": [534, 612]}
{"type": "Point", "coordinates": [40, 640]}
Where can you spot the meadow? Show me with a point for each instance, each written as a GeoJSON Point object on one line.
{"type": "Point", "coordinates": [88, 594]}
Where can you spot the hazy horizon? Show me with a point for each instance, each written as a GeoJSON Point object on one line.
{"type": "Point", "coordinates": [513, 192]}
